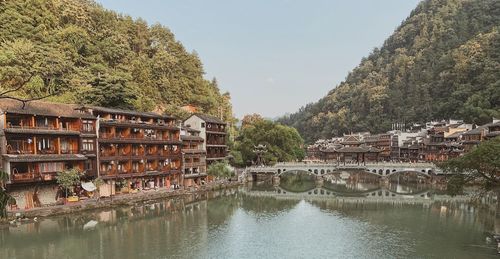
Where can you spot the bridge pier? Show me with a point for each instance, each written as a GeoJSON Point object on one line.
{"type": "Point", "coordinates": [319, 181]}
{"type": "Point", "coordinates": [276, 180]}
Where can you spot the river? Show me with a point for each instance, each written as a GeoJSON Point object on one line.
{"type": "Point", "coordinates": [267, 222]}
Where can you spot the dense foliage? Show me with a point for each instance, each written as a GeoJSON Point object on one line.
{"type": "Point", "coordinates": [442, 62]}
{"type": "Point", "coordinates": [5, 198]}
{"type": "Point", "coordinates": [219, 170]}
{"type": "Point", "coordinates": [82, 53]}
{"type": "Point", "coordinates": [283, 143]}
{"type": "Point", "coordinates": [480, 166]}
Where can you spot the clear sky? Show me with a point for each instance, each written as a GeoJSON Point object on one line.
{"type": "Point", "coordinates": [274, 56]}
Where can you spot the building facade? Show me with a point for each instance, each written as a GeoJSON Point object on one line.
{"type": "Point", "coordinates": [194, 158]}
{"type": "Point", "coordinates": [137, 150]}
{"type": "Point", "coordinates": [214, 133]}
{"type": "Point", "coordinates": [40, 139]}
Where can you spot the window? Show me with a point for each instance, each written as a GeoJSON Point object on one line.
{"type": "Point", "coordinates": [88, 145]}
{"type": "Point", "coordinates": [88, 126]}
{"type": "Point", "coordinates": [203, 124]}
{"type": "Point", "coordinates": [45, 144]}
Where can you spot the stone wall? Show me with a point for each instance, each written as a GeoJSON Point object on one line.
{"type": "Point", "coordinates": [25, 196]}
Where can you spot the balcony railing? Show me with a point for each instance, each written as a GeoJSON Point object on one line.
{"type": "Point", "coordinates": [69, 151]}
{"type": "Point", "coordinates": [19, 151]}
{"type": "Point", "coordinates": [33, 176]}
{"type": "Point", "coordinates": [46, 151]}
{"type": "Point", "coordinates": [43, 127]}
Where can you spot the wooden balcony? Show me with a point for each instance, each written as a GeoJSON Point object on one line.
{"type": "Point", "coordinates": [19, 151]}
{"type": "Point", "coordinates": [33, 177]}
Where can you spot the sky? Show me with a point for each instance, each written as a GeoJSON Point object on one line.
{"type": "Point", "coordinates": [274, 56]}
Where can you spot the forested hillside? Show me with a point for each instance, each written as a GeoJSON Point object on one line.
{"type": "Point", "coordinates": [78, 52]}
{"type": "Point", "coordinates": [442, 62]}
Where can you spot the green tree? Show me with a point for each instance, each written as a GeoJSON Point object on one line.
{"type": "Point", "coordinates": [68, 179]}
{"type": "Point", "coordinates": [78, 52]}
{"type": "Point", "coordinates": [283, 143]}
{"type": "Point", "coordinates": [219, 170]}
{"type": "Point", "coordinates": [442, 62]}
{"type": "Point", "coordinates": [480, 166]}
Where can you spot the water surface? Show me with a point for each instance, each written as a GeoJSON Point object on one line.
{"type": "Point", "coordinates": [241, 223]}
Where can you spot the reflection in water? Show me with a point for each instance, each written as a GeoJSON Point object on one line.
{"type": "Point", "coordinates": [297, 182]}
{"type": "Point", "coordinates": [238, 224]}
{"type": "Point", "coordinates": [267, 205]}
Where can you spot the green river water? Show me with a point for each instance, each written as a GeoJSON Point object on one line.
{"type": "Point", "coordinates": [268, 222]}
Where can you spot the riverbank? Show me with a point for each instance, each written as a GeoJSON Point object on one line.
{"type": "Point", "coordinates": [110, 202]}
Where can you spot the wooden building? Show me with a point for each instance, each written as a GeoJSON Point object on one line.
{"type": "Point", "coordinates": [137, 150]}
{"type": "Point", "coordinates": [472, 138]}
{"type": "Point", "coordinates": [39, 140]}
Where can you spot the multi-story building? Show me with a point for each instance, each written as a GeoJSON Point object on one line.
{"type": "Point", "coordinates": [194, 157]}
{"type": "Point", "coordinates": [384, 143]}
{"type": "Point", "coordinates": [493, 129]}
{"type": "Point", "coordinates": [472, 138]}
{"type": "Point", "coordinates": [213, 131]}
{"type": "Point", "coordinates": [137, 150]}
{"type": "Point", "coordinates": [40, 139]}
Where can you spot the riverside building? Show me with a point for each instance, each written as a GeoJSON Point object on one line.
{"type": "Point", "coordinates": [40, 139]}
{"type": "Point", "coordinates": [213, 130]}
{"type": "Point", "coordinates": [194, 157]}
{"type": "Point", "coordinates": [137, 150]}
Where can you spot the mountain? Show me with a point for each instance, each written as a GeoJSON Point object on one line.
{"type": "Point", "coordinates": [83, 53]}
{"type": "Point", "coordinates": [442, 62]}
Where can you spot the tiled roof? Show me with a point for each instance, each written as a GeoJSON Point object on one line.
{"type": "Point", "coordinates": [43, 108]}
{"type": "Point", "coordinates": [129, 112]}
{"type": "Point", "coordinates": [209, 118]}
{"type": "Point", "coordinates": [361, 149]}
{"type": "Point", "coordinates": [475, 131]}
{"type": "Point", "coordinates": [455, 135]}
{"type": "Point", "coordinates": [189, 137]}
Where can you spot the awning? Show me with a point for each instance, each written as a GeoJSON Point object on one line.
{"type": "Point", "coordinates": [89, 187]}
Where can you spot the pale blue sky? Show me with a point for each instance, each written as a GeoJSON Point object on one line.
{"type": "Point", "coordinates": [274, 56]}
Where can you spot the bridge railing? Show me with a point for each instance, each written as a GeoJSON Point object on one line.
{"type": "Point", "coordinates": [355, 165]}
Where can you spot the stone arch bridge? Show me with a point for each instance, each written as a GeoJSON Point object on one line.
{"type": "Point", "coordinates": [321, 169]}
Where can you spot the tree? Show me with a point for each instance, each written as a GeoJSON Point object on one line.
{"type": "Point", "coordinates": [479, 166]}
{"type": "Point", "coordinates": [250, 119]}
{"type": "Point", "coordinates": [283, 143]}
{"type": "Point", "coordinates": [5, 198]}
{"type": "Point", "coordinates": [76, 51]}
{"type": "Point", "coordinates": [68, 179]}
{"type": "Point", "coordinates": [219, 170]}
{"type": "Point", "coordinates": [458, 40]}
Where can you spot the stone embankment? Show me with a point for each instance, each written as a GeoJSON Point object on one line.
{"type": "Point", "coordinates": [110, 202]}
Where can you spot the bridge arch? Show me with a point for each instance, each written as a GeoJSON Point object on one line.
{"type": "Point", "coordinates": [294, 171]}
